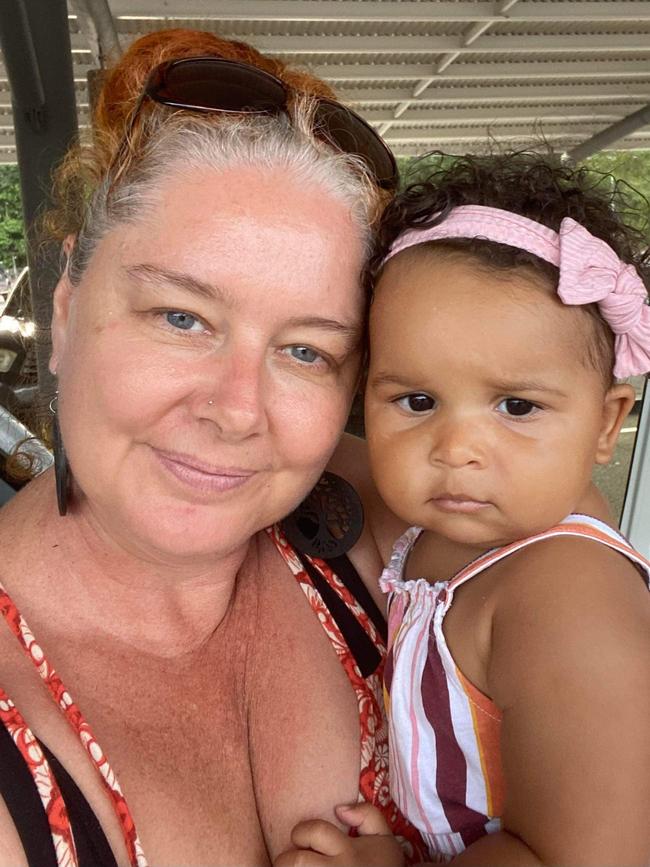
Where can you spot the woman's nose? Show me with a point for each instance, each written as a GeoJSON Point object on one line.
{"type": "Point", "coordinates": [457, 443]}
{"type": "Point", "coordinates": [235, 400]}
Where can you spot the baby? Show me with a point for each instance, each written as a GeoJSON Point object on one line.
{"type": "Point", "coordinates": [506, 311]}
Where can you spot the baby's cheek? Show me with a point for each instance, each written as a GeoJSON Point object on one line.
{"type": "Point", "coordinates": [392, 474]}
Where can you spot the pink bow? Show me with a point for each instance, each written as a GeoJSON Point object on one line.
{"type": "Point", "coordinates": [590, 271]}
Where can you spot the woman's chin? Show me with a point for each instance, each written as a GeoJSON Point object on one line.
{"type": "Point", "coordinates": [168, 532]}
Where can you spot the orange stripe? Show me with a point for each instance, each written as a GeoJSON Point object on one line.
{"type": "Point", "coordinates": [560, 530]}
{"type": "Point", "coordinates": [486, 718]}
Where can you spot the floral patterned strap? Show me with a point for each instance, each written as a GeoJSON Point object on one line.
{"type": "Point", "coordinates": [373, 777]}
{"type": "Point", "coordinates": [39, 766]}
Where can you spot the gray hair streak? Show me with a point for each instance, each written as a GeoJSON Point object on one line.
{"type": "Point", "coordinates": [178, 142]}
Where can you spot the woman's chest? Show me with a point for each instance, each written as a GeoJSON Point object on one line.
{"type": "Point", "coordinates": [175, 737]}
{"type": "Point", "coordinates": [186, 773]}
{"type": "Point", "coordinates": [218, 753]}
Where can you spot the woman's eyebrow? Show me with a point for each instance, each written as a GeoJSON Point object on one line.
{"type": "Point", "coordinates": [351, 331]}
{"type": "Point", "coordinates": [155, 274]}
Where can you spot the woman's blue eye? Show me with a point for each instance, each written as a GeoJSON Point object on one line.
{"type": "Point", "coordinates": [516, 406]}
{"type": "Point", "coordinates": [416, 403]}
{"type": "Point", "coordinates": [304, 354]}
{"type": "Point", "coordinates": [179, 319]}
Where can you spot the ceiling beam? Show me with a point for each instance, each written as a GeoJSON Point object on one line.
{"type": "Point", "coordinates": [608, 113]}
{"type": "Point", "coordinates": [517, 68]}
{"type": "Point", "coordinates": [504, 114]}
{"type": "Point", "coordinates": [515, 43]}
{"type": "Point", "coordinates": [98, 27]}
{"type": "Point", "coordinates": [622, 128]}
{"type": "Point", "coordinates": [530, 93]}
{"type": "Point", "coordinates": [504, 132]}
{"type": "Point", "coordinates": [406, 10]}
{"type": "Point", "coordinates": [463, 146]}
{"type": "Point", "coordinates": [470, 35]}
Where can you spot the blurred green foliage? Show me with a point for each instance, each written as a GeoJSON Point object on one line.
{"type": "Point", "coordinates": [630, 170]}
{"type": "Point", "coordinates": [12, 239]}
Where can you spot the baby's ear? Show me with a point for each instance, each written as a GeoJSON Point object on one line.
{"type": "Point", "coordinates": [618, 402]}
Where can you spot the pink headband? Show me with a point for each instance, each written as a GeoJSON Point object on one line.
{"type": "Point", "coordinates": [590, 271]}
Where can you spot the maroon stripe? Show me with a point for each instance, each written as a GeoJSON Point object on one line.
{"type": "Point", "coordinates": [451, 767]}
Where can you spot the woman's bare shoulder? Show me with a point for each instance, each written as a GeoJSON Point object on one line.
{"type": "Point", "coordinates": [25, 526]}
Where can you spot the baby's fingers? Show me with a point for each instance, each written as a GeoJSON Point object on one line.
{"type": "Point", "coordinates": [364, 817]}
{"type": "Point", "coordinates": [300, 858]}
{"type": "Point", "coordinates": [319, 835]}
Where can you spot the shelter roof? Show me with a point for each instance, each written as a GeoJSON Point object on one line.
{"type": "Point", "coordinates": [429, 73]}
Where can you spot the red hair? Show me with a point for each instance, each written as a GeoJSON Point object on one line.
{"type": "Point", "coordinates": [124, 81]}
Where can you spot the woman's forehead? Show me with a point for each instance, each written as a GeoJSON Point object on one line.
{"type": "Point", "coordinates": [233, 238]}
{"type": "Point", "coordinates": [249, 206]}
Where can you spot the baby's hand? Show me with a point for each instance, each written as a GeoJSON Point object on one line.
{"type": "Point", "coordinates": [321, 844]}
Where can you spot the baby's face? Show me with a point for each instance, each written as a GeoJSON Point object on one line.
{"type": "Point", "coordinates": [483, 420]}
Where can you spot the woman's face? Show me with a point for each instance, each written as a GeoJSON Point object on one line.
{"type": "Point", "coordinates": [207, 359]}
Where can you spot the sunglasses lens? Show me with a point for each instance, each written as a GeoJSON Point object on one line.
{"type": "Point", "coordinates": [351, 134]}
{"type": "Point", "coordinates": [219, 85]}
{"type": "Point", "coordinates": [213, 84]}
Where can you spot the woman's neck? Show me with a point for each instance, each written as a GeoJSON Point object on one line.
{"type": "Point", "coordinates": [170, 606]}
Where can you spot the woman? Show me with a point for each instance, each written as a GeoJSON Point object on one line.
{"type": "Point", "coordinates": [207, 335]}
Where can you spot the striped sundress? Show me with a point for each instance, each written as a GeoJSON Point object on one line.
{"type": "Point", "coordinates": [445, 762]}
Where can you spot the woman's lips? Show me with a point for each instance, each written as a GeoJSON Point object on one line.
{"type": "Point", "coordinates": [203, 477]}
{"type": "Point", "coordinates": [459, 504]}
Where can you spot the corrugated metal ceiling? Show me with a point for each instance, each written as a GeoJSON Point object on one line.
{"type": "Point", "coordinates": [431, 73]}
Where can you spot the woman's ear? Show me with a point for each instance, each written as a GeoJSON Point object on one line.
{"type": "Point", "coordinates": [68, 247]}
{"type": "Point", "coordinates": [618, 402]}
{"type": "Point", "coordinates": [61, 304]}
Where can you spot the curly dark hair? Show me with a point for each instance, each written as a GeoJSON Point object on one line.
{"type": "Point", "coordinates": [538, 186]}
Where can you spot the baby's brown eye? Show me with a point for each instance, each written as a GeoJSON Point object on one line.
{"type": "Point", "coordinates": [416, 403]}
{"type": "Point", "coordinates": [517, 407]}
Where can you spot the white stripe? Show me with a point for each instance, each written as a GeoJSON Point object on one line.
{"type": "Point", "coordinates": [476, 795]}
{"type": "Point", "coordinates": [418, 802]}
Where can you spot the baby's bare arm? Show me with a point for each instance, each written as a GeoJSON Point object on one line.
{"type": "Point", "coordinates": [570, 668]}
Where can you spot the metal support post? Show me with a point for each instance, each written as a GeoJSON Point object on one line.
{"type": "Point", "coordinates": [36, 47]}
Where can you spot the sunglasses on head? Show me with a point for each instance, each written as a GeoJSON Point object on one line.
{"type": "Point", "coordinates": [212, 84]}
